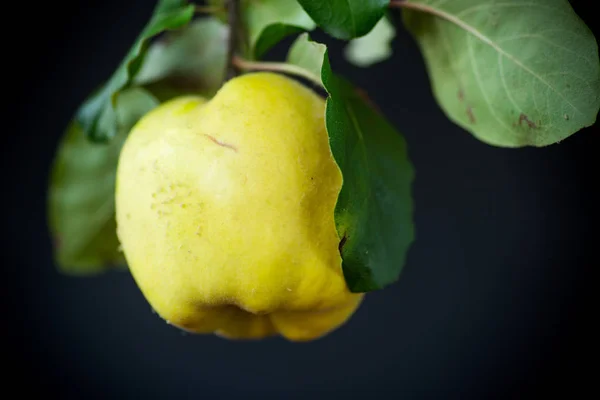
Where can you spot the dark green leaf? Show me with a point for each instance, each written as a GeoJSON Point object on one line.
{"type": "Point", "coordinates": [272, 35]}
{"type": "Point", "coordinates": [97, 114]}
{"type": "Point", "coordinates": [269, 21]}
{"type": "Point", "coordinates": [512, 73]}
{"type": "Point", "coordinates": [189, 60]}
{"type": "Point", "coordinates": [81, 194]}
{"type": "Point", "coordinates": [345, 19]}
{"type": "Point", "coordinates": [374, 209]}
{"type": "Point", "coordinates": [372, 48]}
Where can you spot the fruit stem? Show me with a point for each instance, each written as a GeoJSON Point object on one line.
{"type": "Point", "coordinates": [291, 69]}
{"type": "Point", "coordinates": [233, 19]}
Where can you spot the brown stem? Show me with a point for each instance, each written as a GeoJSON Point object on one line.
{"type": "Point", "coordinates": [207, 9]}
{"type": "Point", "coordinates": [233, 10]}
{"type": "Point", "coordinates": [282, 67]}
{"type": "Point", "coordinates": [397, 3]}
{"type": "Point", "coordinates": [413, 6]}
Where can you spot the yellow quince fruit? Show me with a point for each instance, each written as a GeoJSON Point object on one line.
{"type": "Point", "coordinates": [225, 212]}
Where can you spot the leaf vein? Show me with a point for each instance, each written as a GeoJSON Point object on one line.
{"type": "Point", "coordinates": [546, 40]}
{"type": "Point", "coordinates": [505, 85]}
{"type": "Point", "coordinates": [483, 38]}
{"type": "Point", "coordinates": [352, 19]}
{"type": "Point", "coordinates": [478, 7]}
{"type": "Point", "coordinates": [482, 87]}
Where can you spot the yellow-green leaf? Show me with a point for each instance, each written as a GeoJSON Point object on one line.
{"type": "Point", "coordinates": [81, 205]}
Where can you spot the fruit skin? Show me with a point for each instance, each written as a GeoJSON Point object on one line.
{"type": "Point", "coordinates": [225, 212]}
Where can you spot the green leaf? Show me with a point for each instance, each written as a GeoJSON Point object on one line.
{"type": "Point", "coordinates": [372, 48]}
{"type": "Point", "coordinates": [189, 60]}
{"type": "Point", "coordinates": [374, 210]}
{"type": "Point", "coordinates": [97, 114]}
{"type": "Point", "coordinates": [345, 19]}
{"type": "Point", "coordinates": [81, 194]}
{"type": "Point", "coordinates": [272, 35]}
{"type": "Point", "coordinates": [513, 74]}
{"type": "Point", "coordinates": [269, 21]}
{"type": "Point", "coordinates": [309, 56]}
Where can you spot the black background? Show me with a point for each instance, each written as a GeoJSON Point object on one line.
{"type": "Point", "coordinates": [494, 302]}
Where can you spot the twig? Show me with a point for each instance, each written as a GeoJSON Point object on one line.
{"type": "Point", "coordinates": [207, 9]}
{"type": "Point", "coordinates": [412, 6]}
{"type": "Point", "coordinates": [233, 9]}
{"type": "Point", "coordinates": [397, 3]}
{"type": "Point", "coordinates": [276, 67]}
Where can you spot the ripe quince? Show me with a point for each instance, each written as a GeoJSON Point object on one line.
{"type": "Point", "coordinates": [225, 212]}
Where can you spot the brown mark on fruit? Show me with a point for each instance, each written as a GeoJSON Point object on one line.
{"type": "Point", "coordinates": [219, 143]}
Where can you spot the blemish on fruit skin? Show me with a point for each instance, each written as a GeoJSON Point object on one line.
{"type": "Point", "coordinates": [219, 143]}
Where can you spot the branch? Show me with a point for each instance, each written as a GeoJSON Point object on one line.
{"type": "Point", "coordinates": [207, 10]}
{"type": "Point", "coordinates": [406, 4]}
{"type": "Point", "coordinates": [233, 9]}
{"type": "Point", "coordinates": [282, 67]}
{"type": "Point", "coordinates": [397, 3]}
